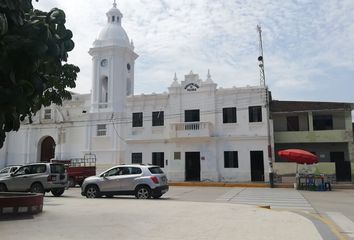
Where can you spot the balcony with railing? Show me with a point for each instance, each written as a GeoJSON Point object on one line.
{"type": "Point", "coordinates": [190, 130]}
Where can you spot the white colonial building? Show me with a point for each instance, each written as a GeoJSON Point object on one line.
{"type": "Point", "coordinates": [195, 131]}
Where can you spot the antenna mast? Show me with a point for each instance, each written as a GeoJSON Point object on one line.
{"type": "Point", "coordinates": [260, 58]}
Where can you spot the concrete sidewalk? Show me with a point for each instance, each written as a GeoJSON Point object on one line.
{"type": "Point", "coordinates": [126, 218]}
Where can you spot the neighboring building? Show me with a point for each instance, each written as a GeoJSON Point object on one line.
{"type": "Point", "coordinates": [323, 128]}
{"type": "Point", "coordinates": [195, 131]}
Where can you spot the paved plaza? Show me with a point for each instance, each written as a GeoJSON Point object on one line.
{"type": "Point", "coordinates": [335, 206]}
{"type": "Point", "coordinates": [188, 213]}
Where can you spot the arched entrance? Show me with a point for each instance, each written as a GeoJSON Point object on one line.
{"type": "Point", "coordinates": [47, 149]}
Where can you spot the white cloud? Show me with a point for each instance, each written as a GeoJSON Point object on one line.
{"type": "Point", "coordinates": [304, 42]}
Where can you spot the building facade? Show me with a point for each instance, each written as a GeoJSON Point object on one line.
{"type": "Point", "coordinates": [199, 132]}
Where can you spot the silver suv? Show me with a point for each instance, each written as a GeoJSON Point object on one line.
{"type": "Point", "coordinates": [37, 177]}
{"type": "Point", "coordinates": [139, 180]}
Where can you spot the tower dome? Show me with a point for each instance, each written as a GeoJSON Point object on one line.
{"type": "Point", "coordinates": [113, 61]}
{"type": "Point", "coordinates": [113, 34]}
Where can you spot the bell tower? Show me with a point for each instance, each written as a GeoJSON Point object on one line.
{"type": "Point", "coordinates": [113, 60]}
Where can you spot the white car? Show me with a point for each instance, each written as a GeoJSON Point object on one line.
{"type": "Point", "coordinates": [142, 181]}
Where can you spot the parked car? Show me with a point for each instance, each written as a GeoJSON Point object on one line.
{"type": "Point", "coordinates": [38, 178]}
{"type": "Point", "coordinates": [139, 180]}
{"type": "Point", "coordinates": [8, 170]}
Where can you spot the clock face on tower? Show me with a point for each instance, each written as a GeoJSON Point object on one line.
{"type": "Point", "coordinates": [104, 62]}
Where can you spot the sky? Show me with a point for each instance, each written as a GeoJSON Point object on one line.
{"type": "Point", "coordinates": [308, 44]}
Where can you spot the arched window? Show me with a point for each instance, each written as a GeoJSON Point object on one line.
{"type": "Point", "coordinates": [113, 19]}
{"type": "Point", "coordinates": [129, 87]}
{"type": "Point", "coordinates": [103, 97]}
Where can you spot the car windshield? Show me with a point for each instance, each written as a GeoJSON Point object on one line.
{"type": "Point", "coordinates": [155, 170]}
{"type": "Point", "coordinates": [57, 168]}
{"type": "Point", "coordinates": [13, 169]}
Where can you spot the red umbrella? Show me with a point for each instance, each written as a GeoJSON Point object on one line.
{"type": "Point", "coordinates": [298, 156]}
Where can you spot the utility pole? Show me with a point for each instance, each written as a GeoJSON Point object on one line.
{"type": "Point", "coordinates": [260, 58]}
{"type": "Point", "coordinates": [262, 84]}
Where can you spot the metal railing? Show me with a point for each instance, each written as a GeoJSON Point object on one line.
{"type": "Point", "coordinates": [192, 126]}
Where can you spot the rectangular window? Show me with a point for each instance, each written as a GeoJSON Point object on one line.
{"type": "Point", "coordinates": [137, 158]}
{"type": "Point", "coordinates": [230, 159]}
{"type": "Point", "coordinates": [191, 115]}
{"type": "Point", "coordinates": [255, 113]}
{"type": "Point", "coordinates": [47, 113]}
{"type": "Point", "coordinates": [158, 159]}
{"type": "Point", "coordinates": [138, 119]}
{"type": "Point", "coordinates": [177, 155]}
{"type": "Point", "coordinates": [101, 130]}
{"type": "Point", "coordinates": [157, 118]}
{"type": "Point", "coordinates": [292, 123]}
{"type": "Point", "coordinates": [322, 122]}
{"type": "Point", "coordinates": [229, 115]}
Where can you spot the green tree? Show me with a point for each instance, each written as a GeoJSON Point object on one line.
{"type": "Point", "coordinates": [33, 46]}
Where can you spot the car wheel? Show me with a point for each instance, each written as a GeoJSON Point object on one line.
{"type": "Point", "coordinates": [37, 188]}
{"type": "Point", "coordinates": [57, 192]}
{"type": "Point", "coordinates": [72, 182]}
{"type": "Point", "coordinates": [3, 188]}
{"type": "Point", "coordinates": [156, 196]}
{"type": "Point", "coordinates": [92, 191]}
{"type": "Point", "coordinates": [143, 192]}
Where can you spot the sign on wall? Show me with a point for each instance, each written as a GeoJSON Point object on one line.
{"type": "Point", "coordinates": [191, 87]}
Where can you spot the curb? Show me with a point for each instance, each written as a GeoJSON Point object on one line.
{"type": "Point", "coordinates": [245, 185]}
{"type": "Point", "coordinates": [331, 226]}
{"type": "Point", "coordinates": [20, 203]}
{"type": "Point", "coordinates": [218, 184]}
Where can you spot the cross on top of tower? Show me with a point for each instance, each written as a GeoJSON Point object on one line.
{"type": "Point", "coordinates": [114, 4]}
